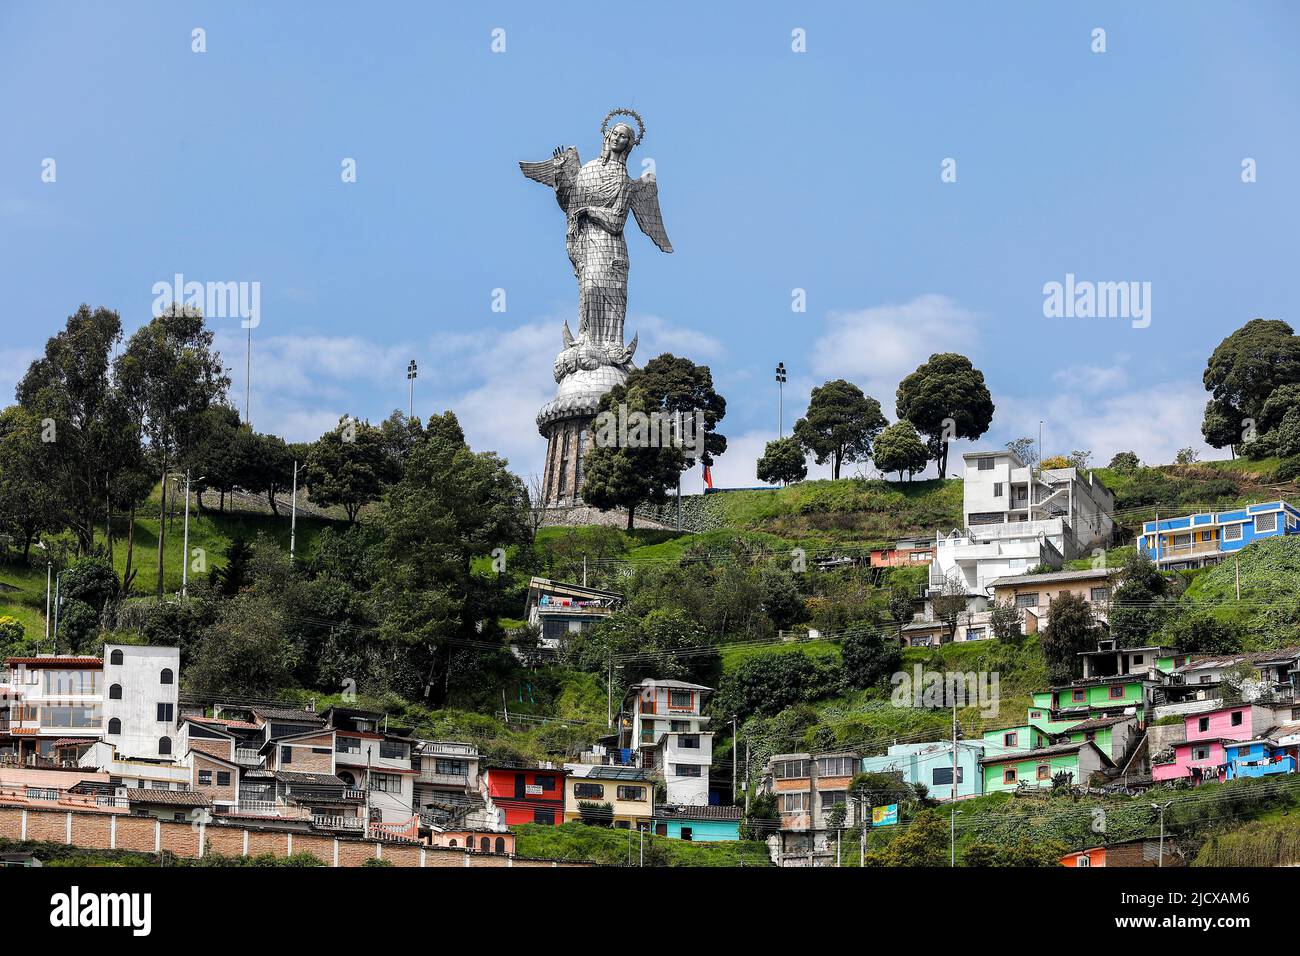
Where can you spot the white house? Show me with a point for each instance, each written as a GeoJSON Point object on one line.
{"type": "Point", "coordinates": [663, 721]}
{"type": "Point", "coordinates": [141, 706]}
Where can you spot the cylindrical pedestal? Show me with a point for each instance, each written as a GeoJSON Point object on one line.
{"type": "Point", "coordinates": [567, 442]}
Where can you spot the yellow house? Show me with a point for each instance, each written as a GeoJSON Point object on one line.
{"type": "Point", "coordinates": [629, 791]}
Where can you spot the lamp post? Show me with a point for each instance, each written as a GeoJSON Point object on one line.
{"type": "Point", "coordinates": [1160, 808]}
{"type": "Point", "coordinates": [185, 543]}
{"type": "Point", "coordinates": [49, 566]}
{"type": "Point", "coordinates": [780, 399]}
{"type": "Point", "coordinates": [293, 512]}
{"type": "Point", "coordinates": [412, 372]}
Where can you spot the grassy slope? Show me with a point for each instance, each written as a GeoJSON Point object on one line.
{"type": "Point", "coordinates": [577, 841]}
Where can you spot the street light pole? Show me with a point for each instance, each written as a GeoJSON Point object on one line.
{"type": "Point", "coordinates": [412, 371]}
{"type": "Point", "coordinates": [1160, 808]}
{"type": "Point", "coordinates": [293, 512]}
{"type": "Point", "coordinates": [780, 399]}
{"type": "Point", "coordinates": [49, 566]}
{"type": "Point", "coordinates": [185, 543]}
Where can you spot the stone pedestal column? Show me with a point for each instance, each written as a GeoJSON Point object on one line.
{"type": "Point", "coordinates": [566, 424]}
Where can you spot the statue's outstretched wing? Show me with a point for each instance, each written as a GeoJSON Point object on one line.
{"type": "Point", "coordinates": [558, 168]}
{"type": "Point", "coordinates": [644, 200]}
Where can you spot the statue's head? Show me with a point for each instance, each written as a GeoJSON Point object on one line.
{"type": "Point", "coordinates": [620, 138]}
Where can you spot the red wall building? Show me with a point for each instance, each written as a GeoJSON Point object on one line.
{"type": "Point", "coordinates": [526, 794]}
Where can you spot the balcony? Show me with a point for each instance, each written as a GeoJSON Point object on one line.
{"type": "Point", "coordinates": [267, 808]}
{"type": "Point", "coordinates": [323, 821]}
{"type": "Point", "coordinates": [443, 779]}
{"type": "Point", "coordinates": [445, 749]}
{"type": "Point", "coordinates": [247, 758]}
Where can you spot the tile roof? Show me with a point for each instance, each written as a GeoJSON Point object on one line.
{"type": "Point", "coordinates": [55, 661]}
{"type": "Point", "coordinates": [1098, 722]}
{"type": "Point", "coordinates": [310, 779]}
{"type": "Point", "coordinates": [1055, 750]}
{"type": "Point", "coordinates": [168, 798]}
{"type": "Point", "coordinates": [1228, 660]}
{"type": "Point", "coordinates": [289, 713]}
{"type": "Point", "coordinates": [1052, 577]}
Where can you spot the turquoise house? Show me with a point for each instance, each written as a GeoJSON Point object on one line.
{"type": "Point", "coordinates": [1257, 758]}
{"type": "Point", "coordinates": [702, 824]}
{"type": "Point", "coordinates": [930, 764]}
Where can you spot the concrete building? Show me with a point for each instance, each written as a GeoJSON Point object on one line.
{"type": "Point", "coordinates": [1205, 538]}
{"type": "Point", "coordinates": [664, 722]}
{"type": "Point", "coordinates": [930, 764]}
{"type": "Point", "coordinates": [629, 792]}
{"type": "Point", "coordinates": [141, 704]}
{"type": "Point", "coordinates": [557, 609]}
{"type": "Point", "coordinates": [1033, 594]}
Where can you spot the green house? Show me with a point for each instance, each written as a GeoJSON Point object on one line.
{"type": "Point", "coordinates": [1037, 768]}
{"type": "Point", "coordinates": [1114, 736]}
{"type": "Point", "coordinates": [1103, 696]}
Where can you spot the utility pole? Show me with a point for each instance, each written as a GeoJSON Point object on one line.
{"type": "Point", "coordinates": [609, 694]}
{"type": "Point", "coordinates": [1160, 808]}
{"type": "Point", "coordinates": [734, 741]}
{"type": "Point", "coordinates": [293, 512]}
{"type": "Point", "coordinates": [952, 824]}
{"type": "Point", "coordinates": [1236, 560]}
{"type": "Point", "coordinates": [746, 778]}
{"type": "Point", "coordinates": [248, 380]}
{"type": "Point", "coordinates": [641, 862]}
{"type": "Point", "coordinates": [185, 539]}
{"type": "Point", "coordinates": [864, 821]}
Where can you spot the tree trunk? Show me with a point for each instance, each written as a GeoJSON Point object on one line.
{"type": "Point", "coordinates": [162, 533]}
{"type": "Point", "coordinates": [270, 498]}
{"type": "Point", "coordinates": [127, 573]}
{"type": "Point", "coordinates": [631, 512]}
{"type": "Point", "coordinates": [223, 501]}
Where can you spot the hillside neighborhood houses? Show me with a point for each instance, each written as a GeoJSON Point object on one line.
{"type": "Point", "coordinates": [114, 735]}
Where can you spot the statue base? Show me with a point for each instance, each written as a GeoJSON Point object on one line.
{"type": "Point", "coordinates": [565, 422]}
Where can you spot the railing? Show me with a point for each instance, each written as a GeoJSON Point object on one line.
{"type": "Point", "coordinates": [447, 779]}
{"type": "Point", "coordinates": [450, 749]}
{"type": "Point", "coordinates": [324, 821]}
{"type": "Point", "coordinates": [49, 795]}
{"type": "Point", "coordinates": [248, 757]}
{"type": "Point", "coordinates": [350, 793]}
{"type": "Point", "coordinates": [268, 808]}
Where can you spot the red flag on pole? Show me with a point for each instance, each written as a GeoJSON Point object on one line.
{"type": "Point", "coordinates": [708, 477]}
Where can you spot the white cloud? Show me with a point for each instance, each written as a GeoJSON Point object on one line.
{"type": "Point", "coordinates": [13, 366]}
{"type": "Point", "coordinates": [1092, 378]}
{"type": "Point", "coordinates": [876, 347]}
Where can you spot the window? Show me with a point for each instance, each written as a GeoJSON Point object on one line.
{"type": "Point", "coordinates": [1011, 740]}
{"type": "Point", "coordinates": [635, 794]}
{"type": "Point", "coordinates": [686, 769]}
{"type": "Point", "coordinates": [347, 745]}
{"type": "Point", "coordinates": [588, 791]}
{"type": "Point", "coordinates": [1232, 532]}
{"type": "Point", "coordinates": [974, 633]}
{"type": "Point", "coordinates": [164, 745]}
{"type": "Point", "coordinates": [835, 767]}
{"type": "Point", "coordinates": [286, 755]}
{"type": "Point", "coordinates": [1077, 695]}
{"type": "Point", "coordinates": [1098, 596]}
{"type": "Point", "coordinates": [392, 750]}
{"type": "Point", "coordinates": [385, 783]}
{"type": "Point", "coordinates": [544, 816]}
{"type": "Point", "coordinates": [831, 797]}
{"type": "Point", "coordinates": [451, 768]}
{"type": "Point", "coordinates": [166, 677]}
{"type": "Point", "coordinates": [942, 776]}
{"type": "Point", "coordinates": [114, 726]}
{"type": "Point", "coordinates": [1027, 600]}
{"type": "Point", "coordinates": [997, 489]}
{"type": "Point", "coordinates": [115, 692]}
{"type": "Point", "coordinates": [1009, 775]}
{"type": "Point", "coordinates": [689, 741]}
{"type": "Point", "coordinates": [1116, 691]}
{"type": "Point", "coordinates": [1266, 524]}
{"type": "Point", "coordinates": [1083, 860]}
{"type": "Point", "coordinates": [205, 778]}
{"type": "Point", "coordinates": [681, 699]}
{"type": "Point", "coordinates": [1236, 718]}
{"type": "Point", "coordinates": [1203, 724]}
{"type": "Point", "coordinates": [983, 464]}
{"type": "Point", "coordinates": [223, 778]}
{"type": "Point", "coordinates": [791, 769]}
{"type": "Point", "coordinates": [115, 657]}
{"type": "Point", "coordinates": [794, 803]}
{"type": "Point", "coordinates": [546, 783]}
{"type": "Point", "coordinates": [320, 750]}
{"type": "Point", "coordinates": [686, 833]}
{"type": "Point", "coordinates": [501, 845]}
{"type": "Point", "coordinates": [680, 726]}
{"type": "Point", "coordinates": [1200, 753]}
{"type": "Point", "coordinates": [1138, 659]}
{"type": "Point", "coordinates": [165, 712]}
{"type": "Point", "coordinates": [1044, 772]}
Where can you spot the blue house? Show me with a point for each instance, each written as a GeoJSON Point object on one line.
{"type": "Point", "coordinates": [704, 824]}
{"type": "Point", "coordinates": [1194, 541]}
{"type": "Point", "coordinates": [930, 764]}
{"type": "Point", "coordinates": [1257, 758]}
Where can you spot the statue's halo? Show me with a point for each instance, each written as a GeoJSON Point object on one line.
{"type": "Point", "coordinates": [604, 125]}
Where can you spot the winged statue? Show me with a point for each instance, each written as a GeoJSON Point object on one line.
{"type": "Point", "coordinates": [596, 197]}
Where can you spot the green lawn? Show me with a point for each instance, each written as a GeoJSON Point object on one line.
{"type": "Point", "coordinates": [578, 841]}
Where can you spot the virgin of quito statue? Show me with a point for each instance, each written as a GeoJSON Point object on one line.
{"type": "Point", "coordinates": [596, 198]}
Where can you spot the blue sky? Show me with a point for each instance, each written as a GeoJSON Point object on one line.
{"type": "Point", "coordinates": [777, 170]}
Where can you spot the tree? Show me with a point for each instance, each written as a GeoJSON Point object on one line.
{"type": "Point", "coordinates": [267, 468]}
{"type": "Point", "coordinates": [1138, 606]}
{"type": "Point", "coordinates": [870, 657]}
{"type": "Point", "coordinates": [70, 385]}
{"type": "Point", "coordinates": [1125, 462]}
{"type": "Point", "coordinates": [1241, 374]}
{"type": "Point", "coordinates": [840, 424]}
{"type": "Point", "coordinates": [1079, 459]}
{"type": "Point", "coordinates": [923, 843]}
{"type": "Point", "coordinates": [169, 376]}
{"type": "Point", "coordinates": [1023, 852]}
{"type": "Point", "coordinates": [214, 457]}
{"type": "Point", "coordinates": [632, 463]}
{"type": "Point", "coordinates": [231, 578]}
{"type": "Point", "coordinates": [1026, 449]}
{"type": "Point", "coordinates": [1199, 633]}
{"type": "Point", "coordinates": [783, 461]}
{"type": "Point", "coordinates": [450, 506]}
{"type": "Point", "coordinates": [949, 605]}
{"type": "Point", "coordinates": [29, 501]}
{"type": "Point", "coordinates": [92, 580]}
{"type": "Point", "coordinates": [946, 398]}
{"type": "Point", "coordinates": [1006, 622]}
{"type": "Point", "coordinates": [347, 466]}
{"type": "Point", "coordinates": [77, 623]}
{"type": "Point", "coordinates": [1186, 456]}
{"type": "Point", "coordinates": [245, 651]}
{"type": "Point", "coordinates": [899, 448]}
{"type": "Point", "coordinates": [1071, 630]}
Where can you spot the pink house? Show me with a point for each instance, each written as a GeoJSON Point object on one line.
{"type": "Point", "coordinates": [1201, 755]}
